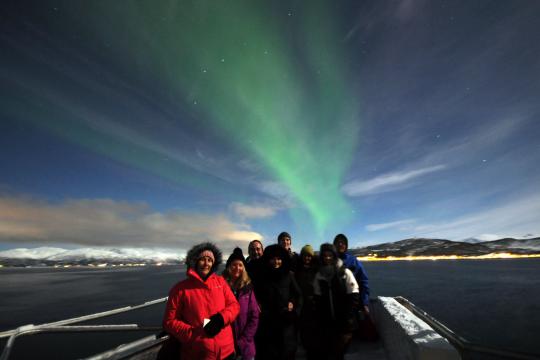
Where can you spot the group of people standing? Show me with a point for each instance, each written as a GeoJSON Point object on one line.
{"type": "Point", "coordinates": [261, 305]}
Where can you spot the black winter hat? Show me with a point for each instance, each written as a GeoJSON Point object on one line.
{"type": "Point", "coordinates": [237, 254]}
{"type": "Point", "coordinates": [282, 235]}
{"type": "Point", "coordinates": [342, 238]}
{"type": "Point", "coordinates": [194, 253]}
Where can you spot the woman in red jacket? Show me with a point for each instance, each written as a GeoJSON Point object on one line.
{"type": "Point", "coordinates": [202, 307]}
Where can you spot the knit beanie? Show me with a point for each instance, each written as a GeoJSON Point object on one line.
{"type": "Point", "coordinates": [237, 254]}
{"type": "Point", "coordinates": [206, 253]}
{"type": "Point", "coordinates": [283, 235]}
{"type": "Point", "coordinates": [206, 248]}
{"type": "Point", "coordinates": [341, 237]}
{"type": "Point", "coordinates": [307, 250]}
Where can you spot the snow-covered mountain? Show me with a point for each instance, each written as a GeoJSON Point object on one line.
{"type": "Point", "coordinates": [473, 240]}
{"type": "Point", "coordinates": [85, 256]}
{"type": "Point", "coordinates": [511, 243]}
{"type": "Point", "coordinates": [492, 237]}
{"type": "Point", "coordinates": [434, 247]}
{"type": "Point", "coordinates": [48, 256]}
{"type": "Point", "coordinates": [34, 253]}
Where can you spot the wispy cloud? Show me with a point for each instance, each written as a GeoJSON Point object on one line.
{"type": "Point", "coordinates": [511, 218]}
{"type": "Point", "coordinates": [253, 211]}
{"type": "Point", "coordinates": [393, 224]}
{"type": "Point", "coordinates": [277, 191]}
{"type": "Point", "coordinates": [488, 237]}
{"type": "Point", "coordinates": [387, 182]}
{"type": "Point", "coordinates": [105, 222]}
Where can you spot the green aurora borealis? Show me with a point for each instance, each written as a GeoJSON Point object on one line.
{"type": "Point", "coordinates": [271, 82]}
{"type": "Point", "coordinates": [240, 67]}
{"type": "Point", "coordinates": [382, 120]}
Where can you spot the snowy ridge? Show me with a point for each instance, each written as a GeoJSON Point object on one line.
{"type": "Point", "coordinates": [50, 256]}
{"type": "Point", "coordinates": [35, 253]}
{"type": "Point", "coordinates": [440, 247]}
{"type": "Point", "coordinates": [509, 243]}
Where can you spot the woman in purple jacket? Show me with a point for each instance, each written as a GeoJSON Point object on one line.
{"type": "Point", "coordinates": [245, 325]}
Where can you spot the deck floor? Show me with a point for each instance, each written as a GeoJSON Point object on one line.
{"type": "Point", "coordinates": [357, 350]}
{"type": "Point", "coordinates": [366, 351]}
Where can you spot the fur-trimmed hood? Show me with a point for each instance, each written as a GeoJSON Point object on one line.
{"type": "Point", "coordinates": [276, 251]}
{"type": "Point", "coordinates": [328, 247]}
{"type": "Point", "coordinates": [193, 255]}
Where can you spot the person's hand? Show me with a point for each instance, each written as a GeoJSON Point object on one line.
{"type": "Point", "coordinates": [289, 315]}
{"type": "Point", "coordinates": [214, 326]}
{"type": "Point", "coordinates": [290, 306]}
{"type": "Point", "coordinates": [365, 310]}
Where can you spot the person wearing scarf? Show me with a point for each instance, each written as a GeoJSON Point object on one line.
{"type": "Point", "coordinates": [337, 299]}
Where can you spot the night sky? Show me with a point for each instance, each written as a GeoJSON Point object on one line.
{"type": "Point", "coordinates": [167, 123]}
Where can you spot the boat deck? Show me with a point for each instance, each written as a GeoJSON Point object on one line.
{"type": "Point", "coordinates": [406, 332]}
{"type": "Point", "coordinates": [366, 350]}
{"type": "Point", "coordinates": [357, 350]}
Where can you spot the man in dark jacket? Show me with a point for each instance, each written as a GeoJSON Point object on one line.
{"type": "Point", "coordinates": [285, 241]}
{"type": "Point", "coordinates": [254, 260]}
{"type": "Point", "coordinates": [254, 263]}
{"type": "Point", "coordinates": [352, 263]}
{"type": "Point", "coordinates": [255, 250]}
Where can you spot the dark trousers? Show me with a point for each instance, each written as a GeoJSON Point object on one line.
{"type": "Point", "coordinates": [276, 342]}
{"type": "Point", "coordinates": [334, 344]}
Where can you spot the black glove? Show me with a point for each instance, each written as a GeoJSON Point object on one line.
{"type": "Point", "coordinates": [214, 326]}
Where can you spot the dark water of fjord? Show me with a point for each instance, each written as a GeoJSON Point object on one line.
{"type": "Point", "coordinates": [493, 302]}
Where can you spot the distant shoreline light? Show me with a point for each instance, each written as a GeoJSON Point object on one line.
{"type": "Point", "coordinates": [91, 265]}
{"type": "Point", "coordinates": [448, 257]}
{"type": "Point", "coordinates": [102, 265]}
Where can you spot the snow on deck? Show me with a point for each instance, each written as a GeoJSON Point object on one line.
{"type": "Point", "coordinates": [406, 336]}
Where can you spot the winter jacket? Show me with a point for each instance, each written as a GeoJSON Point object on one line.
{"type": "Point", "coordinates": [352, 263]}
{"type": "Point", "coordinates": [337, 298]}
{"type": "Point", "coordinates": [245, 325]}
{"type": "Point", "coordinates": [190, 302]}
{"type": "Point", "coordinates": [276, 335]}
{"type": "Point", "coordinates": [304, 278]}
{"type": "Point", "coordinates": [308, 322]}
{"type": "Point", "coordinates": [254, 268]}
{"type": "Point", "coordinates": [295, 260]}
